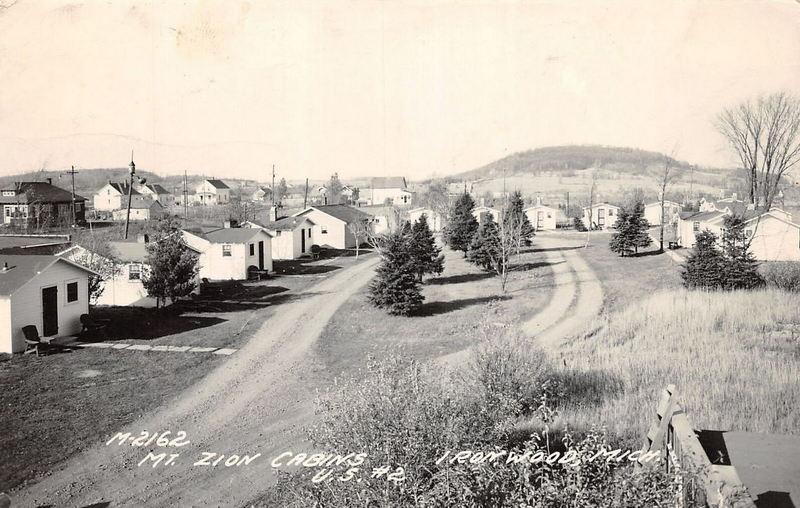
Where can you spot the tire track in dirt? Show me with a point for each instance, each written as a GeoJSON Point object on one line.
{"type": "Point", "coordinates": [255, 402]}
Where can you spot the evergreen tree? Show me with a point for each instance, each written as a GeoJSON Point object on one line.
{"type": "Point", "coordinates": [631, 230]}
{"type": "Point", "coordinates": [705, 266]}
{"type": "Point", "coordinates": [461, 224]}
{"type": "Point", "coordinates": [517, 220]}
{"type": "Point", "coordinates": [485, 248]}
{"type": "Point", "coordinates": [741, 268]}
{"type": "Point", "coordinates": [172, 265]}
{"type": "Point", "coordinates": [428, 257]}
{"type": "Point", "coordinates": [395, 287]}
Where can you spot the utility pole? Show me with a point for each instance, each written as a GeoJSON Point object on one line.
{"type": "Point", "coordinates": [185, 200]}
{"type": "Point", "coordinates": [567, 214]}
{"type": "Point", "coordinates": [132, 167]}
{"type": "Point", "coordinates": [305, 198]}
{"type": "Point", "coordinates": [272, 189]}
{"type": "Point", "coordinates": [72, 173]}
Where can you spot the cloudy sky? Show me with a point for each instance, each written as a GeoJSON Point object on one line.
{"type": "Point", "coordinates": [376, 87]}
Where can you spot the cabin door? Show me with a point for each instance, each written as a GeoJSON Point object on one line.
{"type": "Point", "coordinates": [601, 217]}
{"type": "Point", "coordinates": [261, 254]}
{"type": "Point", "coordinates": [302, 241]}
{"type": "Point", "coordinates": [539, 220]}
{"type": "Point", "coordinates": [50, 311]}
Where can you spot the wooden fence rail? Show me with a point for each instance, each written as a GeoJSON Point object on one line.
{"type": "Point", "coordinates": [673, 435]}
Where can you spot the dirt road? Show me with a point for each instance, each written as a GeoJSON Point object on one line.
{"type": "Point", "coordinates": [253, 403]}
{"type": "Point", "coordinates": [577, 297]}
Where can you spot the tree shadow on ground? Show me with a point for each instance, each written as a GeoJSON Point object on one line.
{"type": "Point", "coordinates": [127, 323]}
{"type": "Point", "coordinates": [435, 308]}
{"type": "Point", "coordinates": [301, 267]}
{"type": "Point", "coordinates": [554, 249]}
{"type": "Point", "coordinates": [655, 252]}
{"type": "Point", "coordinates": [524, 267]}
{"type": "Point", "coordinates": [457, 279]}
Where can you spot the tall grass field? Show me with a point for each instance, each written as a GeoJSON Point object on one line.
{"type": "Point", "coordinates": [734, 357]}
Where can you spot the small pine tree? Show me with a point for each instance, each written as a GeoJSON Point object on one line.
{"type": "Point", "coordinates": [461, 224]}
{"type": "Point", "coordinates": [395, 287]}
{"type": "Point", "coordinates": [517, 220]}
{"type": "Point", "coordinates": [579, 225]}
{"type": "Point", "coordinates": [172, 265]}
{"type": "Point", "coordinates": [705, 266]}
{"type": "Point", "coordinates": [741, 268]}
{"type": "Point", "coordinates": [631, 231]}
{"type": "Point", "coordinates": [428, 257]}
{"type": "Point", "coordinates": [484, 250]}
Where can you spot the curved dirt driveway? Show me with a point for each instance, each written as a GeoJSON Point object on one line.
{"type": "Point", "coordinates": [253, 403]}
{"type": "Point", "coordinates": [566, 314]}
{"type": "Point", "coordinates": [577, 296]}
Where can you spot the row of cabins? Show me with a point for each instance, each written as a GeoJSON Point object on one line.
{"type": "Point", "coordinates": [51, 291]}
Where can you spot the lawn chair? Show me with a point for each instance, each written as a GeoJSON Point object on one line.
{"type": "Point", "coordinates": [34, 343]}
{"type": "Point", "coordinates": [92, 327]}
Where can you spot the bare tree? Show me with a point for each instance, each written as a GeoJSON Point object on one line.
{"type": "Point", "coordinates": [765, 134]}
{"type": "Point", "coordinates": [362, 230]}
{"type": "Point", "coordinates": [592, 192]}
{"type": "Point", "coordinates": [667, 177]}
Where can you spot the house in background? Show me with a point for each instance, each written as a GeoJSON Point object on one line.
{"type": "Point", "coordinates": [542, 217]}
{"type": "Point", "coordinates": [434, 220]}
{"type": "Point", "coordinates": [292, 237]}
{"type": "Point", "coordinates": [772, 235]}
{"type": "Point", "coordinates": [231, 253]}
{"type": "Point", "coordinates": [730, 204]}
{"type": "Point", "coordinates": [389, 189]}
{"type": "Point", "coordinates": [333, 224]}
{"type": "Point", "coordinates": [41, 204]}
{"type": "Point", "coordinates": [212, 192]}
{"type": "Point", "coordinates": [156, 192]}
{"type": "Point", "coordinates": [652, 212]}
{"type": "Point", "coordinates": [114, 196]}
{"type": "Point", "coordinates": [262, 193]}
{"type": "Point", "coordinates": [603, 216]}
{"type": "Point", "coordinates": [48, 292]}
{"type": "Point", "coordinates": [482, 213]}
{"type": "Point", "coordinates": [140, 211]}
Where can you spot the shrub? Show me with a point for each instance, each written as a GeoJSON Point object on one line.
{"type": "Point", "coordinates": [782, 274]}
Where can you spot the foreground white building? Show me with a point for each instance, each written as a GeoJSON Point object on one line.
{"type": "Point", "coordinates": [334, 224]}
{"type": "Point", "coordinates": [48, 292]}
{"type": "Point", "coordinates": [292, 237]}
{"type": "Point", "coordinates": [603, 216]}
{"type": "Point", "coordinates": [542, 217]}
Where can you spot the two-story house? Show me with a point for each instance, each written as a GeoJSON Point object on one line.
{"type": "Point", "coordinates": [212, 192]}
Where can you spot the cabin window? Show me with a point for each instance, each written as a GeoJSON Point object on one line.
{"type": "Point", "coordinates": [278, 233]}
{"type": "Point", "coordinates": [134, 272]}
{"type": "Point", "coordinates": [8, 212]}
{"type": "Point", "coordinates": [696, 226]}
{"type": "Point", "coordinates": [252, 249]}
{"type": "Point", "coordinates": [610, 212]}
{"type": "Point", "coordinates": [72, 292]}
{"type": "Point", "coordinates": [323, 230]}
{"type": "Point", "coordinates": [309, 232]}
{"type": "Point", "coordinates": [226, 251]}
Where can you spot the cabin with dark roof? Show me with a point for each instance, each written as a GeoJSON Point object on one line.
{"type": "Point", "coordinates": [41, 204]}
{"type": "Point", "coordinates": [334, 225]}
{"type": "Point", "coordinates": [232, 253]}
{"type": "Point", "coordinates": [292, 237]}
{"type": "Point", "coordinates": [47, 292]}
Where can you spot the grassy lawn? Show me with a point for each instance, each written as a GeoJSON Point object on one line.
{"type": "Point", "coordinates": [59, 404]}
{"type": "Point", "coordinates": [628, 280]}
{"type": "Point", "coordinates": [455, 303]}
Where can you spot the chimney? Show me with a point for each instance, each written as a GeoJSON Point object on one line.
{"type": "Point", "coordinates": [231, 223]}
{"type": "Point", "coordinates": [273, 213]}
{"type": "Point", "coordinates": [538, 200]}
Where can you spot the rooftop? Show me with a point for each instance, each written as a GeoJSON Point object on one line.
{"type": "Point", "coordinates": [29, 192]}
{"type": "Point", "coordinates": [232, 235]}
{"type": "Point", "coordinates": [344, 213]}
{"type": "Point", "coordinates": [388, 182]}
{"type": "Point", "coordinates": [17, 270]}
{"type": "Point", "coordinates": [219, 184]}
{"type": "Point", "coordinates": [288, 223]}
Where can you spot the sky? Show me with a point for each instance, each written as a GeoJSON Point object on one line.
{"type": "Point", "coordinates": [369, 87]}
